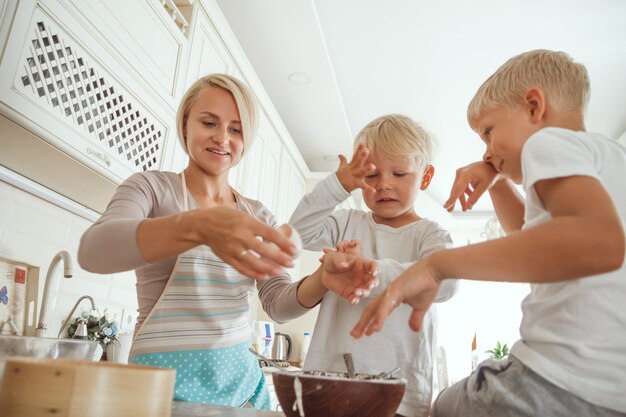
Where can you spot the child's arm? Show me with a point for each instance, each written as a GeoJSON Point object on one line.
{"type": "Point", "coordinates": [389, 269]}
{"type": "Point", "coordinates": [473, 180]}
{"type": "Point", "coordinates": [314, 219]}
{"type": "Point", "coordinates": [585, 237]}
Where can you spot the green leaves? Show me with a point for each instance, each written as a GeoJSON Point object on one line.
{"type": "Point", "coordinates": [499, 352]}
{"type": "Point", "coordinates": [99, 327]}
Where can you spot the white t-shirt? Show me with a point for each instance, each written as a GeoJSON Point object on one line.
{"type": "Point", "coordinates": [396, 345]}
{"type": "Point", "coordinates": [573, 333]}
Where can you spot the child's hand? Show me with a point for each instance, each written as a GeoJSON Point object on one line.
{"type": "Point", "coordinates": [348, 275]}
{"type": "Point", "coordinates": [417, 286]}
{"type": "Point", "coordinates": [352, 175]}
{"type": "Point", "coordinates": [345, 246]}
{"type": "Point", "coordinates": [349, 246]}
{"type": "Point", "coordinates": [470, 184]}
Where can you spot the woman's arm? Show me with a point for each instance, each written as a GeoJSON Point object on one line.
{"type": "Point", "coordinates": [231, 234]}
{"type": "Point", "coordinates": [137, 228]}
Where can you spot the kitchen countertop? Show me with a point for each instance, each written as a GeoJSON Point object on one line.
{"type": "Point", "coordinates": [183, 409]}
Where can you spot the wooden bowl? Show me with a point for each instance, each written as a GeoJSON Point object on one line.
{"type": "Point", "coordinates": [40, 387]}
{"type": "Point", "coordinates": [324, 394]}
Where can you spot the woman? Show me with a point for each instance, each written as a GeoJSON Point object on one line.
{"type": "Point", "coordinates": [192, 241]}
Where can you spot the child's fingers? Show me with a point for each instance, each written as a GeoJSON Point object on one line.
{"type": "Point", "coordinates": [353, 299]}
{"type": "Point", "coordinates": [364, 320]}
{"type": "Point", "coordinates": [342, 160]}
{"type": "Point", "coordinates": [416, 319]}
{"type": "Point", "coordinates": [478, 191]}
{"type": "Point", "coordinates": [459, 187]}
{"type": "Point", "coordinates": [362, 184]}
{"type": "Point", "coordinates": [343, 246]}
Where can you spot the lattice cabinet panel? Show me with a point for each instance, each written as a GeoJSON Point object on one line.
{"type": "Point", "coordinates": [57, 77]}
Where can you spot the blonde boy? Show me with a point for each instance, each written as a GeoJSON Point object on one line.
{"type": "Point", "coordinates": [390, 164]}
{"type": "Point", "coordinates": [566, 239]}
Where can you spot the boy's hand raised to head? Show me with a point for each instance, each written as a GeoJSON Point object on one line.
{"type": "Point", "coordinates": [352, 174]}
{"type": "Point", "coordinates": [470, 184]}
{"type": "Point", "coordinates": [417, 286]}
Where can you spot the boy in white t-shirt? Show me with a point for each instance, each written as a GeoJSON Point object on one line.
{"type": "Point", "coordinates": [390, 164]}
{"type": "Point", "coordinates": [566, 239]}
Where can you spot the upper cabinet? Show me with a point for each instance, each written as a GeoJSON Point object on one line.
{"type": "Point", "coordinates": [70, 73]}
{"type": "Point", "coordinates": [101, 82]}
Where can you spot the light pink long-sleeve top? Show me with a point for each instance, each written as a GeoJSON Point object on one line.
{"type": "Point", "coordinates": [110, 244]}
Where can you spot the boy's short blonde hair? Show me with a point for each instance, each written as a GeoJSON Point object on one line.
{"type": "Point", "coordinates": [397, 135]}
{"type": "Point", "coordinates": [244, 98]}
{"type": "Point", "coordinates": [564, 82]}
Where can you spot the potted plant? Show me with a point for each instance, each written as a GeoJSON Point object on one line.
{"type": "Point", "coordinates": [501, 351]}
{"type": "Point", "coordinates": [99, 327]}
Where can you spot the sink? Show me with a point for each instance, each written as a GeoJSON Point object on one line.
{"type": "Point", "coordinates": [44, 347]}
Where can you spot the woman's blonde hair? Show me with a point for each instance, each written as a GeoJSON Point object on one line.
{"type": "Point", "coordinates": [564, 82]}
{"type": "Point", "coordinates": [397, 135]}
{"type": "Point", "coordinates": [244, 98]}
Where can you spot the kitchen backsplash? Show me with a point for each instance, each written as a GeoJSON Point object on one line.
{"type": "Point", "coordinates": [33, 230]}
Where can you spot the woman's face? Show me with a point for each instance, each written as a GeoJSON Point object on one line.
{"type": "Point", "coordinates": [213, 131]}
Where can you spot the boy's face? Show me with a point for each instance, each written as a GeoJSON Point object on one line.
{"type": "Point", "coordinates": [505, 131]}
{"type": "Point", "coordinates": [396, 181]}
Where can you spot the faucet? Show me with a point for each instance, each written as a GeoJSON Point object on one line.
{"type": "Point", "coordinates": [69, 316]}
{"type": "Point", "coordinates": [42, 325]}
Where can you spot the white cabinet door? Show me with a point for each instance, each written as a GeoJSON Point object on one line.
{"type": "Point", "coordinates": [145, 38]}
{"type": "Point", "coordinates": [207, 55]}
{"type": "Point", "coordinates": [58, 81]}
{"type": "Point", "coordinates": [291, 187]}
{"type": "Point", "coordinates": [257, 174]}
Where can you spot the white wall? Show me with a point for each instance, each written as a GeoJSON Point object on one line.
{"type": "Point", "coordinates": [33, 230]}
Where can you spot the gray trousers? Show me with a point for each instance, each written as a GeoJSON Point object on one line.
{"type": "Point", "coordinates": [507, 388]}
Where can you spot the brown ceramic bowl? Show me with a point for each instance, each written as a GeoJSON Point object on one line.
{"type": "Point", "coordinates": [324, 394]}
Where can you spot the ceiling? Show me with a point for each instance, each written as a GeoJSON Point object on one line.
{"type": "Point", "coordinates": [425, 59]}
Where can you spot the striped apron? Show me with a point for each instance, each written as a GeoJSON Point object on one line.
{"type": "Point", "coordinates": [200, 326]}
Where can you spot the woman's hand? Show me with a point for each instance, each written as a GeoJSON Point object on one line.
{"type": "Point", "coordinates": [417, 286]}
{"type": "Point", "coordinates": [352, 174]}
{"type": "Point", "coordinates": [234, 237]}
{"type": "Point", "coordinates": [470, 184]}
{"type": "Point", "coordinates": [350, 276]}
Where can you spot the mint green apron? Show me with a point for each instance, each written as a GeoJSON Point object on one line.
{"type": "Point", "coordinates": [200, 326]}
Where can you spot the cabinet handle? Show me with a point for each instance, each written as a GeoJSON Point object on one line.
{"type": "Point", "coordinates": [100, 156]}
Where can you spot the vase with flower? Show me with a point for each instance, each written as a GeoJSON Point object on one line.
{"type": "Point", "coordinates": [100, 328]}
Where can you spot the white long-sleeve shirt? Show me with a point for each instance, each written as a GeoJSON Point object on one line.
{"type": "Point", "coordinates": [396, 345]}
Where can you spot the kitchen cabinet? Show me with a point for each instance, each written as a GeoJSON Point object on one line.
{"type": "Point", "coordinates": [101, 82]}
{"type": "Point", "coordinates": [69, 78]}
{"type": "Point", "coordinates": [61, 80]}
